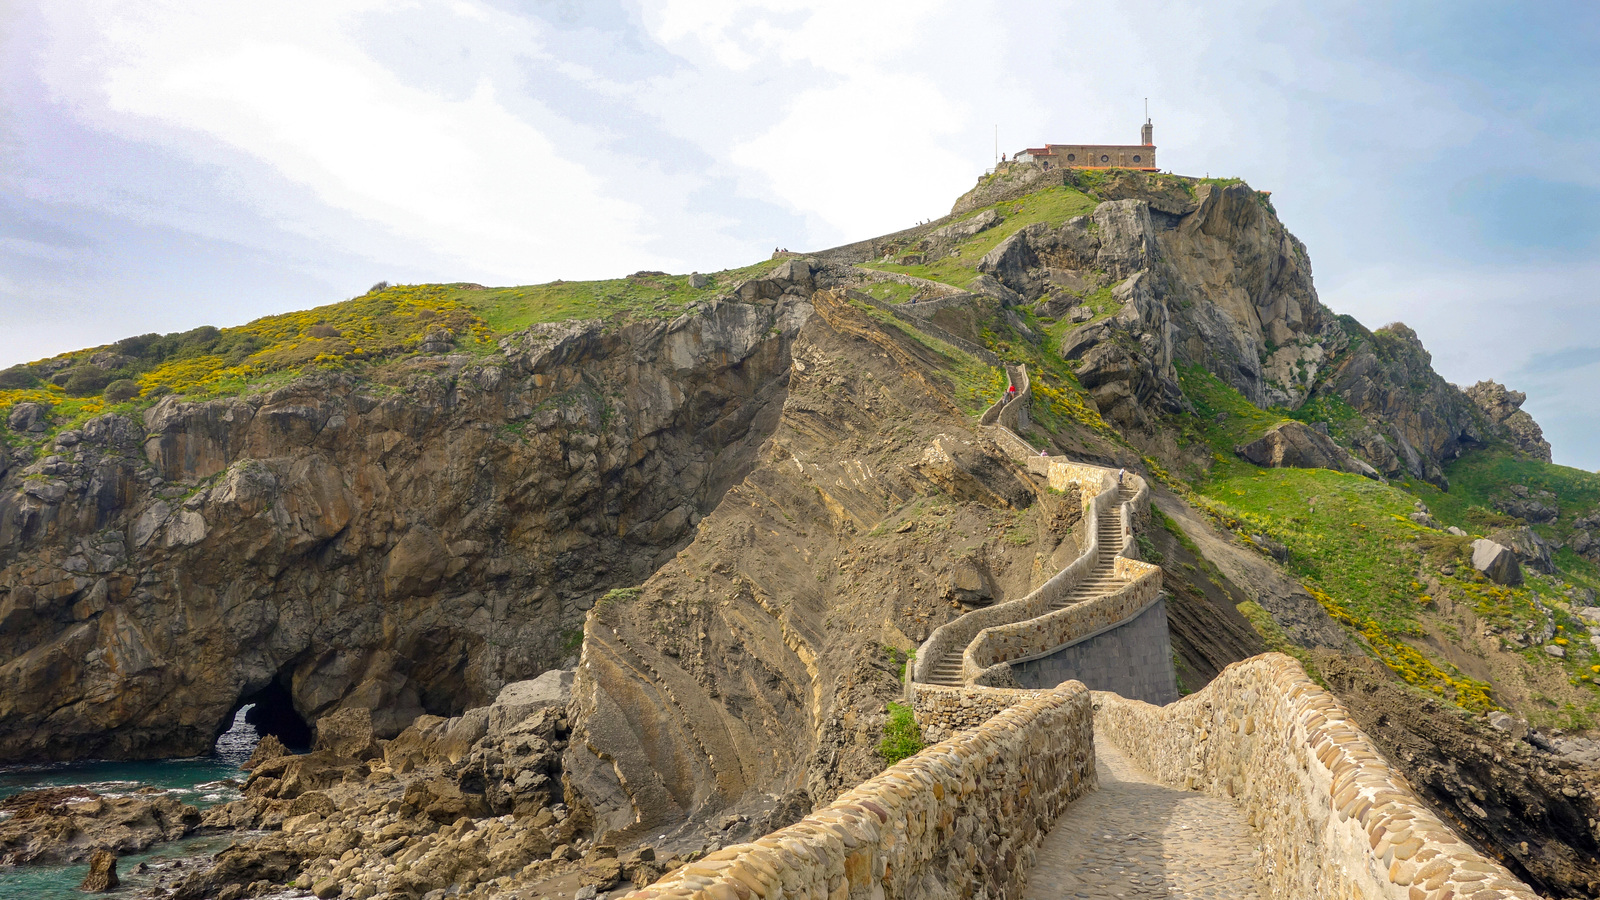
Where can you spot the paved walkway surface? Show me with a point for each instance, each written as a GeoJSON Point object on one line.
{"type": "Point", "coordinates": [1137, 838]}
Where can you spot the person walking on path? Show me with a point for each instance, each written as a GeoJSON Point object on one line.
{"type": "Point", "coordinates": [1119, 476]}
{"type": "Point", "coordinates": [1011, 393]}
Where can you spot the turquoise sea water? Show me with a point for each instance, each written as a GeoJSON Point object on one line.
{"type": "Point", "coordinates": [201, 781]}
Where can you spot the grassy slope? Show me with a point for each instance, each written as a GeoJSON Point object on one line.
{"type": "Point", "coordinates": [1350, 542]}
{"type": "Point", "coordinates": [358, 335]}
{"type": "Point", "coordinates": [1052, 206]}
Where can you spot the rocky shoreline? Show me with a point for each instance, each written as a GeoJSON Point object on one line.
{"type": "Point", "coordinates": [472, 805]}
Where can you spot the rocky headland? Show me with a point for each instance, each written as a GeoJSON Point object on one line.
{"type": "Point", "coordinates": [592, 597]}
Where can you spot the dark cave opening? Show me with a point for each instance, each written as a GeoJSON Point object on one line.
{"type": "Point", "coordinates": [256, 715]}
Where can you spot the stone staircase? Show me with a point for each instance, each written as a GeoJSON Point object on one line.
{"type": "Point", "coordinates": [1098, 581]}
{"type": "Point", "coordinates": [947, 660]}
{"type": "Point", "coordinates": [1101, 579]}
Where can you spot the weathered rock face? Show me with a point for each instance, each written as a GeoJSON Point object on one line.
{"type": "Point", "coordinates": [1296, 445]}
{"type": "Point", "coordinates": [1206, 275]}
{"type": "Point", "coordinates": [754, 664]}
{"type": "Point", "coordinates": [1504, 408]}
{"type": "Point", "coordinates": [1418, 420]}
{"type": "Point", "coordinates": [1209, 278]}
{"type": "Point", "coordinates": [405, 549]}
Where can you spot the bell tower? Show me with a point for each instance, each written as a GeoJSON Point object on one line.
{"type": "Point", "coordinates": [1148, 132]}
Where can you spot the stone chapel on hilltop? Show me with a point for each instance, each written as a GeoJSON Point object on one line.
{"type": "Point", "coordinates": [1098, 156]}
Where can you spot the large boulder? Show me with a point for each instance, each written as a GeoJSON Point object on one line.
{"type": "Point", "coordinates": [102, 875]}
{"type": "Point", "coordinates": [1497, 562]}
{"type": "Point", "coordinates": [1295, 445]}
{"type": "Point", "coordinates": [1530, 549]}
{"type": "Point", "coordinates": [347, 733]}
{"type": "Point", "coordinates": [521, 699]}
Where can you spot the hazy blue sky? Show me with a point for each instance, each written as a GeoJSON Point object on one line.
{"type": "Point", "coordinates": [168, 164]}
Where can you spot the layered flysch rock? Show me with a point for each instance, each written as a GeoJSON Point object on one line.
{"type": "Point", "coordinates": [406, 549]}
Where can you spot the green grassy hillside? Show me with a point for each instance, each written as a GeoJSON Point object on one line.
{"type": "Point", "coordinates": [360, 336]}
{"type": "Point", "coordinates": [1405, 590]}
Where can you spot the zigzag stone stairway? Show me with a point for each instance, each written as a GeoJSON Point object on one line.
{"type": "Point", "coordinates": [1097, 582]}
{"type": "Point", "coordinates": [1258, 785]}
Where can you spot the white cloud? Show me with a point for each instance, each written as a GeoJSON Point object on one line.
{"type": "Point", "coordinates": [463, 176]}
{"type": "Point", "coordinates": [857, 137]}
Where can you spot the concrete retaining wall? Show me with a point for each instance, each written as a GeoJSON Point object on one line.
{"type": "Point", "coordinates": [1132, 658]}
{"type": "Point", "coordinates": [1335, 820]}
{"type": "Point", "coordinates": [962, 818]}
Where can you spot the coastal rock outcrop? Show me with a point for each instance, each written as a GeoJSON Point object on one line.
{"type": "Point", "coordinates": [1504, 408]}
{"type": "Point", "coordinates": [1299, 446]}
{"type": "Point", "coordinates": [57, 826]}
{"type": "Point", "coordinates": [407, 548]}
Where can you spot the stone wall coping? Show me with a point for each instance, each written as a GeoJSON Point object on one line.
{"type": "Point", "coordinates": [1335, 819]}
{"type": "Point", "coordinates": [988, 796]}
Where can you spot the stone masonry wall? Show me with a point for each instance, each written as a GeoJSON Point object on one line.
{"type": "Point", "coordinates": [956, 635]}
{"type": "Point", "coordinates": [1133, 659]}
{"type": "Point", "coordinates": [962, 818]}
{"type": "Point", "coordinates": [1018, 640]}
{"type": "Point", "coordinates": [1336, 821]}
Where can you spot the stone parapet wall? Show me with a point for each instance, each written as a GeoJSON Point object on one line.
{"type": "Point", "coordinates": [943, 711]}
{"type": "Point", "coordinates": [1000, 645]}
{"type": "Point", "coordinates": [1335, 819]}
{"type": "Point", "coordinates": [1133, 659]}
{"type": "Point", "coordinates": [963, 818]}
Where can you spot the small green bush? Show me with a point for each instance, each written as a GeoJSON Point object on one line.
{"type": "Point", "coordinates": [902, 738]}
{"type": "Point", "coordinates": [121, 389]}
{"type": "Point", "coordinates": [85, 380]}
{"type": "Point", "coordinates": [17, 378]}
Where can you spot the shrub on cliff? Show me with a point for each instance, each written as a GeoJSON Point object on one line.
{"type": "Point", "coordinates": [17, 378]}
{"type": "Point", "coordinates": [121, 389]}
{"type": "Point", "coordinates": [901, 736]}
{"type": "Point", "coordinates": [85, 380]}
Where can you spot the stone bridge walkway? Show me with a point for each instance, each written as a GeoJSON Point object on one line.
{"type": "Point", "coordinates": [1137, 838]}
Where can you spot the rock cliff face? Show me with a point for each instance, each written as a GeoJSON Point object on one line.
{"type": "Point", "coordinates": [757, 663]}
{"type": "Point", "coordinates": [1504, 408]}
{"type": "Point", "coordinates": [1205, 275]}
{"type": "Point", "coordinates": [407, 545]}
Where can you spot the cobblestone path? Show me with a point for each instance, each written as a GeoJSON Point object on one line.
{"type": "Point", "coordinates": [1137, 838]}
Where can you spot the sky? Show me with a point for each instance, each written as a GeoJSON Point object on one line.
{"type": "Point", "coordinates": [168, 164]}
